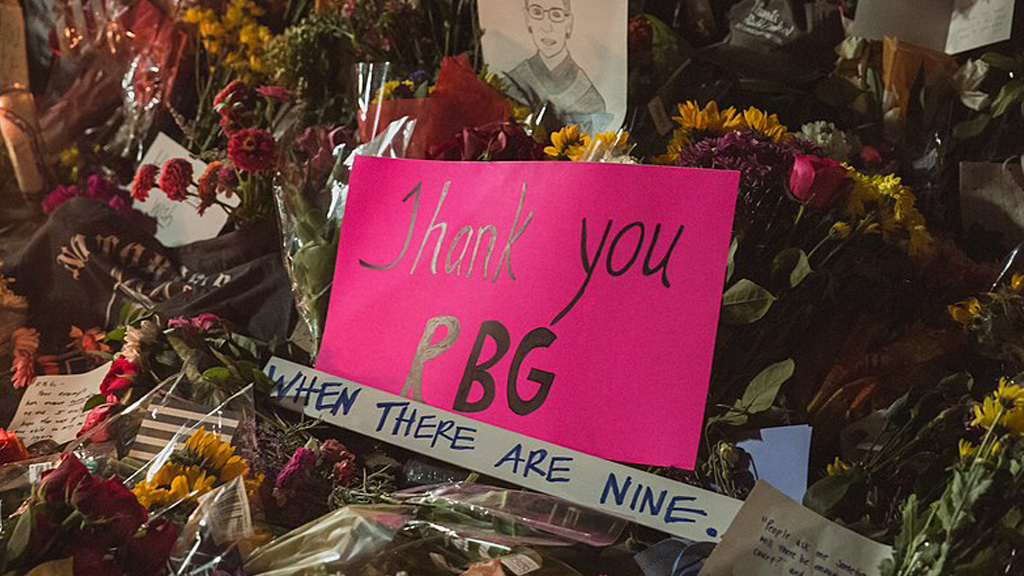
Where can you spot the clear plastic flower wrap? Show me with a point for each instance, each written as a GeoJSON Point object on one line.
{"type": "Point", "coordinates": [310, 194]}
{"type": "Point", "coordinates": [546, 514]}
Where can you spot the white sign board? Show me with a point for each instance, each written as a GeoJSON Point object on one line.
{"type": "Point", "coordinates": [582, 479]}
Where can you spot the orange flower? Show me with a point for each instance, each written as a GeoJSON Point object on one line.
{"type": "Point", "coordinates": [90, 340]}
{"type": "Point", "coordinates": [12, 449]}
{"type": "Point", "coordinates": [26, 341]}
{"type": "Point", "coordinates": [24, 368]}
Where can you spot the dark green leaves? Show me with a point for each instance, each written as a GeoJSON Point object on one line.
{"type": "Point", "coordinates": [745, 302]}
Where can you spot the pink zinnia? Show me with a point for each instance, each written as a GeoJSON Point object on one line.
{"type": "Point", "coordinates": [176, 178]}
{"type": "Point", "coordinates": [144, 181]}
{"type": "Point", "coordinates": [252, 150]}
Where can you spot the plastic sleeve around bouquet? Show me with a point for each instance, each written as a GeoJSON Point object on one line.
{"type": "Point", "coordinates": [345, 537]}
{"type": "Point", "coordinates": [540, 512]}
{"type": "Point", "coordinates": [310, 193]}
{"type": "Point", "coordinates": [187, 464]}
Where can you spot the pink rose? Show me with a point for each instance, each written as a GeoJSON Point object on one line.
{"type": "Point", "coordinates": [818, 182]}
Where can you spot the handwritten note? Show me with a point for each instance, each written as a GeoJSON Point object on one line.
{"type": "Point", "coordinates": [52, 406]}
{"type": "Point", "coordinates": [178, 223]}
{"type": "Point", "coordinates": [950, 26]}
{"type": "Point", "coordinates": [584, 481]}
{"type": "Point", "coordinates": [574, 303]}
{"type": "Point", "coordinates": [775, 536]}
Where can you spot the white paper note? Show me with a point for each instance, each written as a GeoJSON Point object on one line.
{"type": "Point", "coordinates": [775, 536]}
{"type": "Point", "coordinates": [178, 223]}
{"type": "Point", "coordinates": [52, 406]}
{"type": "Point", "coordinates": [950, 26]}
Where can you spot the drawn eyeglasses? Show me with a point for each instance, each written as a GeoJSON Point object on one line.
{"type": "Point", "coordinates": [555, 14]}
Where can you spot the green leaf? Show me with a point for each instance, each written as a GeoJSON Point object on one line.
{"type": "Point", "coordinates": [1009, 94]}
{"type": "Point", "coordinates": [999, 61]}
{"type": "Point", "coordinates": [731, 417]}
{"type": "Point", "coordinates": [745, 303]}
{"type": "Point", "coordinates": [762, 390]}
{"type": "Point", "coordinates": [971, 128]}
{"type": "Point", "coordinates": [730, 263]}
{"type": "Point", "coordinates": [828, 494]}
{"type": "Point", "coordinates": [93, 402]}
{"type": "Point", "coordinates": [792, 264]}
{"type": "Point", "coordinates": [115, 335]}
{"type": "Point", "coordinates": [217, 374]}
{"type": "Point", "coordinates": [20, 535]}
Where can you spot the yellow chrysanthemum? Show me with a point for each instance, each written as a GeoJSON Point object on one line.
{"type": "Point", "coordinates": [965, 311]}
{"type": "Point", "coordinates": [693, 118]}
{"type": "Point", "coordinates": [837, 468]}
{"type": "Point", "coordinates": [568, 144]}
{"type": "Point", "coordinates": [1017, 282]}
{"type": "Point", "coordinates": [767, 124]}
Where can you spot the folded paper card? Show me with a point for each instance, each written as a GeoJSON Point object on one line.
{"type": "Point", "coordinates": [780, 457]}
{"type": "Point", "coordinates": [574, 303]}
{"type": "Point", "coordinates": [775, 536]}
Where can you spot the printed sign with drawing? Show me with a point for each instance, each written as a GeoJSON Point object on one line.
{"type": "Point", "coordinates": [573, 303]}
{"type": "Point", "coordinates": [581, 479]}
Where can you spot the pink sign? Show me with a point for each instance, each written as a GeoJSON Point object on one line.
{"type": "Point", "coordinates": [574, 303]}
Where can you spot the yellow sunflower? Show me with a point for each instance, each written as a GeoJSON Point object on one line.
{"type": "Point", "coordinates": [693, 118]}
{"type": "Point", "coordinates": [1017, 282]}
{"type": "Point", "coordinates": [967, 449]}
{"type": "Point", "coordinates": [569, 143]}
{"type": "Point", "coordinates": [767, 124]}
{"type": "Point", "coordinates": [216, 456]}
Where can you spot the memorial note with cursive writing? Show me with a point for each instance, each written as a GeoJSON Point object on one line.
{"type": "Point", "coordinates": [573, 303]}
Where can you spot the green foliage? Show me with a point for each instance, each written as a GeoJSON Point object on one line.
{"type": "Point", "coordinates": [745, 303]}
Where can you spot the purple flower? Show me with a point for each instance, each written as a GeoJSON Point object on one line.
{"type": "Point", "coordinates": [199, 323]}
{"type": "Point", "coordinates": [762, 162]}
{"type": "Point", "coordinates": [295, 471]}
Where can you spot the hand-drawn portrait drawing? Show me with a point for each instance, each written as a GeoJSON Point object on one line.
{"type": "Point", "coordinates": [564, 54]}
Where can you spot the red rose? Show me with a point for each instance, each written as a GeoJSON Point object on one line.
{"type": "Point", "coordinates": [97, 416]}
{"type": "Point", "coordinates": [58, 484]}
{"type": "Point", "coordinates": [175, 178]}
{"type": "Point", "coordinates": [112, 505]}
{"type": "Point", "coordinates": [144, 181]}
{"type": "Point", "coordinates": [12, 449]}
{"type": "Point", "coordinates": [120, 377]}
{"type": "Point", "coordinates": [93, 559]}
{"type": "Point", "coordinates": [818, 182]}
{"type": "Point", "coordinates": [44, 530]}
{"type": "Point", "coordinates": [252, 149]}
{"type": "Point", "coordinates": [870, 156]}
{"type": "Point", "coordinates": [147, 554]}
{"type": "Point", "coordinates": [345, 469]}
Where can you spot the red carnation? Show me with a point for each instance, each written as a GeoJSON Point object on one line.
{"type": "Point", "coordinates": [120, 377]}
{"type": "Point", "coordinates": [144, 181]}
{"type": "Point", "coordinates": [252, 149]}
{"type": "Point", "coordinates": [176, 178]}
